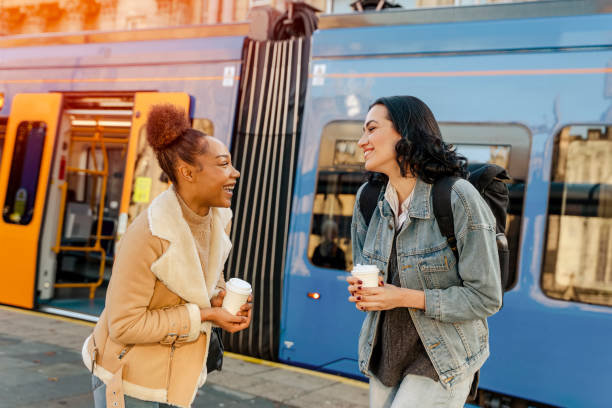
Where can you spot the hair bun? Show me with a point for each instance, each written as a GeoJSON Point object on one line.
{"type": "Point", "coordinates": [165, 124]}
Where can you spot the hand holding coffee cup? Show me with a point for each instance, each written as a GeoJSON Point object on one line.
{"type": "Point", "coordinates": [237, 294]}
{"type": "Point", "coordinates": [367, 274]}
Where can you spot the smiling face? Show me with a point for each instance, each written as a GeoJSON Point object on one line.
{"type": "Point", "coordinates": [212, 179]}
{"type": "Point", "coordinates": [378, 142]}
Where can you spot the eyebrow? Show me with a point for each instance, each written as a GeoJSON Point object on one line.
{"type": "Point", "coordinates": [223, 155]}
{"type": "Point", "coordinates": [369, 121]}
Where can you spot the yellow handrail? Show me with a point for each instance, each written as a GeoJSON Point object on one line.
{"type": "Point", "coordinates": [98, 236]}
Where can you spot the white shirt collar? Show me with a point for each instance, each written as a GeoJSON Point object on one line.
{"type": "Point", "coordinates": [393, 200]}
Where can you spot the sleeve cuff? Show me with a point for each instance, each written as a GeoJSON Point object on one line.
{"type": "Point", "coordinates": [432, 304]}
{"type": "Point", "coordinates": [205, 327]}
{"type": "Point", "coordinates": [194, 321]}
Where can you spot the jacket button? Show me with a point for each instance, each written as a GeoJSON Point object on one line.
{"type": "Point", "coordinates": [390, 225]}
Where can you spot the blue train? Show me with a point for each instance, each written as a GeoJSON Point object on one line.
{"type": "Point", "coordinates": [527, 86]}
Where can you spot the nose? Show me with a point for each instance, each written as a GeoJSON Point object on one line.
{"type": "Point", "coordinates": [363, 140]}
{"type": "Point", "coordinates": [235, 173]}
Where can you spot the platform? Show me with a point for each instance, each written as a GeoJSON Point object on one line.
{"type": "Point", "coordinates": [40, 366]}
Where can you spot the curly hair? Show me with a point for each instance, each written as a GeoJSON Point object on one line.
{"type": "Point", "coordinates": [421, 150]}
{"type": "Point", "coordinates": [170, 135]}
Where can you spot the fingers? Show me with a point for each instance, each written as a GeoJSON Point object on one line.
{"type": "Point", "coordinates": [353, 280]}
{"type": "Point", "coordinates": [354, 288]}
{"type": "Point", "coordinates": [371, 291]}
{"type": "Point", "coordinates": [356, 298]}
{"type": "Point", "coordinates": [245, 309]}
{"type": "Point", "coordinates": [236, 327]}
{"type": "Point", "coordinates": [368, 306]}
{"type": "Point", "coordinates": [381, 281]}
{"type": "Point", "coordinates": [229, 318]}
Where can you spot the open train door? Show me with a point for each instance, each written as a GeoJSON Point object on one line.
{"type": "Point", "coordinates": [143, 177]}
{"type": "Point", "coordinates": [24, 177]}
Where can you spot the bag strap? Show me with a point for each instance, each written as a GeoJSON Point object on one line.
{"type": "Point", "coordinates": [443, 211]}
{"type": "Point", "coordinates": [368, 200]}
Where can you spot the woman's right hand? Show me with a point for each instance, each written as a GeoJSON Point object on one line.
{"type": "Point", "coordinates": [355, 284]}
{"type": "Point", "coordinates": [224, 319]}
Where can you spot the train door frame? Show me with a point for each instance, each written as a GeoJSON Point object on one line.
{"type": "Point", "coordinates": [56, 203]}
{"type": "Point", "coordinates": [19, 254]}
{"type": "Point", "coordinates": [143, 101]}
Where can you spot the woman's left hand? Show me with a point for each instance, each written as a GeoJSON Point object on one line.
{"type": "Point", "coordinates": [387, 297]}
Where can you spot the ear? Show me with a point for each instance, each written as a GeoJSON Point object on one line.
{"type": "Point", "coordinates": [185, 171]}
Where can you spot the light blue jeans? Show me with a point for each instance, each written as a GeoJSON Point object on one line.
{"type": "Point", "coordinates": [418, 391]}
{"type": "Point", "coordinates": [99, 394]}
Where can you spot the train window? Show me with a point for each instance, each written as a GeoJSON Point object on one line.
{"type": "Point", "coordinates": [340, 173]}
{"type": "Point", "coordinates": [23, 178]}
{"type": "Point", "coordinates": [578, 257]}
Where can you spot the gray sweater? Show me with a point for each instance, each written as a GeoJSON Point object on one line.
{"type": "Point", "coordinates": [398, 350]}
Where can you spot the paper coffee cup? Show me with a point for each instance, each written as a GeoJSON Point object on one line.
{"type": "Point", "coordinates": [237, 292]}
{"type": "Point", "coordinates": [368, 274]}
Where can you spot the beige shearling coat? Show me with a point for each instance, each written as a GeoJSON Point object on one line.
{"type": "Point", "coordinates": [149, 342]}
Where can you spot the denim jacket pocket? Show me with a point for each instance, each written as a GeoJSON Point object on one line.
{"type": "Point", "coordinates": [370, 258]}
{"type": "Point", "coordinates": [438, 270]}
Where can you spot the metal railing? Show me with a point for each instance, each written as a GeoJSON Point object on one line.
{"type": "Point", "coordinates": [97, 138]}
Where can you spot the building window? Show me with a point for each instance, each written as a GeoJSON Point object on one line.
{"type": "Point", "coordinates": [341, 173]}
{"type": "Point", "coordinates": [25, 169]}
{"type": "Point", "coordinates": [578, 258]}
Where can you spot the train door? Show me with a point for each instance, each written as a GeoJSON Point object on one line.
{"type": "Point", "coordinates": [98, 183]}
{"type": "Point", "coordinates": [320, 327]}
{"type": "Point", "coordinates": [24, 175]}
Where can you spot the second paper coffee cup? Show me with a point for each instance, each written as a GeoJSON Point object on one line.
{"type": "Point", "coordinates": [368, 275]}
{"type": "Point", "coordinates": [237, 292]}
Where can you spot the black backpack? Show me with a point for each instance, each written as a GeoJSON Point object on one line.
{"type": "Point", "coordinates": [490, 181]}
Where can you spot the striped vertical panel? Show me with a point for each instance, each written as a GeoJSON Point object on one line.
{"type": "Point", "coordinates": [264, 150]}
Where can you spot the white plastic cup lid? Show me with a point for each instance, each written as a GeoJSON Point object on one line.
{"type": "Point", "coordinates": [364, 269]}
{"type": "Point", "coordinates": [239, 286]}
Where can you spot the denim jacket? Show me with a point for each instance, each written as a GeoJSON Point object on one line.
{"type": "Point", "coordinates": [458, 297]}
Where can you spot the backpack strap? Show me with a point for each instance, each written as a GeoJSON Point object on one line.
{"type": "Point", "coordinates": [368, 200]}
{"type": "Point", "coordinates": [443, 211]}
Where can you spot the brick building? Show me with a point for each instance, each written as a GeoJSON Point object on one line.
{"type": "Point", "coordinates": [37, 16]}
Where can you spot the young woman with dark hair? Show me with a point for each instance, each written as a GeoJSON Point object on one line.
{"type": "Point", "coordinates": [425, 334]}
{"type": "Point", "coordinates": [151, 341]}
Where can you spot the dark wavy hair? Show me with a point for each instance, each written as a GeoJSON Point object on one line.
{"type": "Point", "coordinates": [421, 149]}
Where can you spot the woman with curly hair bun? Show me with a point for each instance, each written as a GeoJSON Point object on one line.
{"type": "Point", "coordinates": [150, 345]}
{"type": "Point", "coordinates": [425, 335]}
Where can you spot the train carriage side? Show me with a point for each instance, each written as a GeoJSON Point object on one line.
{"type": "Point", "coordinates": [533, 95]}
{"type": "Point", "coordinates": [75, 164]}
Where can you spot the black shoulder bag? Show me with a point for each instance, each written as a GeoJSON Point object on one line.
{"type": "Point", "coordinates": [215, 351]}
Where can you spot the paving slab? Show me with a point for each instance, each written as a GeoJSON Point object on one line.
{"type": "Point", "coordinates": [40, 366]}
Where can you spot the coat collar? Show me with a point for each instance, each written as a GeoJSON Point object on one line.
{"type": "Point", "coordinates": [419, 206]}
{"type": "Point", "coordinates": [179, 266]}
